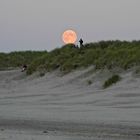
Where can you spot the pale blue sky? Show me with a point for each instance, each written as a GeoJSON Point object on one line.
{"type": "Point", "coordinates": [39, 24]}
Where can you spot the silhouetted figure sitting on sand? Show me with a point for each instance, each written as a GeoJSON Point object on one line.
{"type": "Point", "coordinates": [81, 42]}
{"type": "Point", "coordinates": [24, 67]}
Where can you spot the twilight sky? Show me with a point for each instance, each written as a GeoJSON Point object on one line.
{"type": "Point", "coordinates": [39, 24]}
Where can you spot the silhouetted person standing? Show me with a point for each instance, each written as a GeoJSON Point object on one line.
{"type": "Point", "coordinates": [81, 42]}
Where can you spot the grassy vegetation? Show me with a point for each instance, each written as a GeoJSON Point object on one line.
{"type": "Point", "coordinates": [89, 82]}
{"type": "Point", "coordinates": [17, 59]}
{"type": "Point", "coordinates": [103, 54]}
{"type": "Point", "coordinates": [63, 58]}
{"type": "Point", "coordinates": [112, 80]}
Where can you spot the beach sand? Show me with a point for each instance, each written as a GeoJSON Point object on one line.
{"type": "Point", "coordinates": [66, 107]}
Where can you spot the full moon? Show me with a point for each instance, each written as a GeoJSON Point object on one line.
{"type": "Point", "coordinates": [69, 36]}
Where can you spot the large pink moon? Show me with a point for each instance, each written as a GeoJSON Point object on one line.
{"type": "Point", "coordinates": [69, 36]}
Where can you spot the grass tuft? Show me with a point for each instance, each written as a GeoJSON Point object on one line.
{"type": "Point", "coordinates": [89, 82]}
{"type": "Point", "coordinates": [112, 80]}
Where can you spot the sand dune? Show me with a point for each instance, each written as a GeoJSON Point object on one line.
{"type": "Point", "coordinates": [63, 107]}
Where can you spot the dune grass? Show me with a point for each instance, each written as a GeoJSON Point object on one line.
{"type": "Point", "coordinates": [112, 80]}
{"type": "Point", "coordinates": [89, 82]}
{"type": "Point", "coordinates": [103, 54]}
{"type": "Point", "coordinates": [17, 59]}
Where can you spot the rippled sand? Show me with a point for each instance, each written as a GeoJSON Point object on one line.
{"type": "Point", "coordinates": [65, 107]}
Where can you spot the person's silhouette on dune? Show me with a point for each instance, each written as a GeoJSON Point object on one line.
{"type": "Point", "coordinates": [24, 67]}
{"type": "Point", "coordinates": [81, 42]}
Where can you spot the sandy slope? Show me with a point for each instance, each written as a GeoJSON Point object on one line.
{"type": "Point", "coordinates": [66, 107]}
